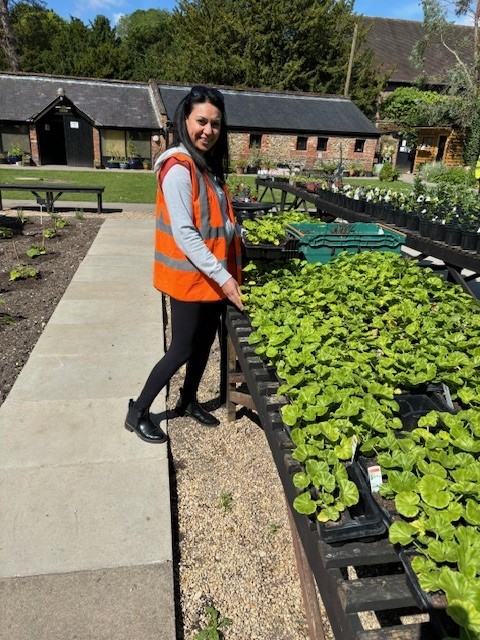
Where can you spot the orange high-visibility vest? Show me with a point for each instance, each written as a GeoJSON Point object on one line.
{"type": "Point", "coordinates": [174, 274]}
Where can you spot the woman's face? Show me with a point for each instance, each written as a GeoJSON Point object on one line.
{"type": "Point", "coordinates": [203, 126]}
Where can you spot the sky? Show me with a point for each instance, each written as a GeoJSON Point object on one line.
{"type": "Point", "coordinates": [87, 10]}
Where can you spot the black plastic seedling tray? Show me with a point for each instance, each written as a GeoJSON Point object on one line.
{"type": "Point", "coordinates": [361, 521]}
{"type": "Point", "coordinates": [284, 251]}
{"type": "Point", "coordinates": [415, 405]}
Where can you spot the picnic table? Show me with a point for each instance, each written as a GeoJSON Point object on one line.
{"type": "Point", "coordinates": [52, 192]}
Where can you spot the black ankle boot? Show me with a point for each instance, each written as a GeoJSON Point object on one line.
{"type": "Point", "coordinates": [193, 410]}
{"type": "Point", "coordinates": [139, 422]}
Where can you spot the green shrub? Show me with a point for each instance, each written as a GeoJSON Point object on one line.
{"type": "Point", "coordinates": [327, 167]}
{"type": "Point", "coordinates": [456, 175]}
{"type": "Point", "coordinates": [431, 171]}
{"type": "Point", "coordinates": [388, 173]}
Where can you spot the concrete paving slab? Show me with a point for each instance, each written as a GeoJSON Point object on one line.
{"type": "Point", "coordinates": [40, 434]}
{"type": "Point", "coordinates": [127, 603]}
{"type": "Point", "coordinates": [97, 269]}
{"type": "Point", "coordinates": [116, 311]}
{"type": "Point", "coordinates": [63, 377]}
{"type": "Point", "coordinates": [85, 518]}
{"type": "Point", "coordinates": [79, 517]}
{"type": "Point", "coordinates": [81, 289]}
{"type": "Point", "coordinates": [125, 239]}
{"type": "Point", "coordinates": [136, 263]}
{"type": "Point", "coordinates": [116, 248]}
{"type": "Point", "coordinates": [96, 339]}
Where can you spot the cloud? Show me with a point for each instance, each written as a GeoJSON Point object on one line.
{"type": "Point", "coordinates": [115, 18]}
{"type": "Point", "coordinates": [96, 7]}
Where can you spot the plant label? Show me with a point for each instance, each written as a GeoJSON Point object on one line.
{"type": "Point", "coordinates": [354, 447]}
{"type": "Point", "coordinates": [375, 478]}
{"type": "Point", "coordinates": [448, 397]}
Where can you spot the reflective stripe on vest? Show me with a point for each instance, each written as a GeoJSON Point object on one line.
{"type": "Point", "coordinates": [174, 273]}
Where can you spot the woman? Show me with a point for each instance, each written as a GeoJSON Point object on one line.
{"type": "Point", "coordinates": [197, 253]}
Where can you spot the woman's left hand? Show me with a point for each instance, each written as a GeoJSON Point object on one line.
{"type": "Point", "coordinates": [233, 293]}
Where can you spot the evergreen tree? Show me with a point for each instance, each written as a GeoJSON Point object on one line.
{"type": "Point", "coordinates": [8, 48]}
{"type": "Point", "coordinates": [145, 37]}
{"type": "Point", "coordinates": [271, 44]}
{"type": "Point", "coordinates": [34, 28]}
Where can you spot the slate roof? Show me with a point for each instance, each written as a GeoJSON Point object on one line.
{"type": "Point", "coordinates": [106, 103]}
{"type": "Point", "coordinates": [282, 112]}
{"type": "Point", "coordinates": [392, 40]}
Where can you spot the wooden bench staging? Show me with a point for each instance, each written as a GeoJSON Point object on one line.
{"type": "Point", "coordinates": [53, 192]}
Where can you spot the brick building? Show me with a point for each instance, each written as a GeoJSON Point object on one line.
{"type": "Point", "coordinates": [84, 122]}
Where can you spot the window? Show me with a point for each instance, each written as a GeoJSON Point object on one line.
{"type": "Point", "coordinates": [255, 140]}
{"type": "Point", "coordinates": [122, 143]}
{"type": "Point", "coordinates": [426, 142]}
{"type": "Point", "coordinates": [322, 144]}
{"type": "Point", "coordinates": [113, 142]}
{"type": "Point", "coordinates": [301, 143]}
{"type": "Point", "coordinates": [359, 146]}
{"type": "Point", "coordinates": [14, 134]}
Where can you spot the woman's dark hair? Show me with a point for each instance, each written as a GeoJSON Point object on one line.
{"type": "Point", "coordinates": [215, 159]}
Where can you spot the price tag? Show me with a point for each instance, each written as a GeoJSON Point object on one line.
{"type": "Point", "coordinates": [375, 478]}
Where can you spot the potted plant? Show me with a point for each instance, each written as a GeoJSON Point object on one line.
{"type": "Point", "coordinates": [134, 160]}
{"type": "Point", "coordinates": [113, 163]}
{"type": "Point", "coordinates": [146, 164]}
{"type": "Point", "coordinates": [124, 164]}
{"type": "Point", "coordinates": [15, 154]}
{"type": "Point", "coordinates": [255, 160]}
{"type": "Point", "coordinates": [3, 157]}
{"type": "Point", "coordinates": [240, 164]}
{"type": "Point", "coordinates": [354, 169]}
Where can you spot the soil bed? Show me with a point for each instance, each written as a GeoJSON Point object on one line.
{"type": "Point", "coordinates": [27, 304]}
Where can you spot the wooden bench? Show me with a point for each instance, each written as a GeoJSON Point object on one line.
{"type": "Point", "coordinates": [52, 193]}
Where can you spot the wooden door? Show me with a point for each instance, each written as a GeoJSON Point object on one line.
{"type": "Point", "coordinates": [78, 140]}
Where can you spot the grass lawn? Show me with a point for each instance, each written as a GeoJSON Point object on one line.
{"type": "Point", "coordinates": [130, 186]}
{"type": "Point", "coordinates": [396, 185]}
{"type": "Point", "coordinates": [120, 186]}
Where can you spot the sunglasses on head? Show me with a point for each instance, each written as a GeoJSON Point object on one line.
{"type": "Point", "coordinates": [200, 90]}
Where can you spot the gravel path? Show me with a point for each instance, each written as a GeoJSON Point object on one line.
{"type": "Point", "coordinates": [235, 544]}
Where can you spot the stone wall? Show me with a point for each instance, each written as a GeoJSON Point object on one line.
{"type": "Point", "coordinates": [282, 148]}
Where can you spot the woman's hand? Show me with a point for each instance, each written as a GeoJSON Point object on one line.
{"type": "Point", "coordinates": [232, 291]}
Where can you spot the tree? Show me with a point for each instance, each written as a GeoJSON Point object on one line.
{"type": "Point", "coordinates": [410, 108]}
{"type": "Point", "coordinates": [462, 78]}
{"type": "Point", "coordinates": [298, 45]}
{"type": "Point", "coordinates": [146, 36]}
{"type": "Point", "coordinates": [34, 28]}
{"type": "Point", "coordinates": [7, 39]}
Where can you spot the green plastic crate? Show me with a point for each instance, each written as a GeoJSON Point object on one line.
{"type": "Point", "coordinates": [322, 243]}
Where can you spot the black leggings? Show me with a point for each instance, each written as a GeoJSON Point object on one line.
{"type": "Point", "coordinates": [194, 325]}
